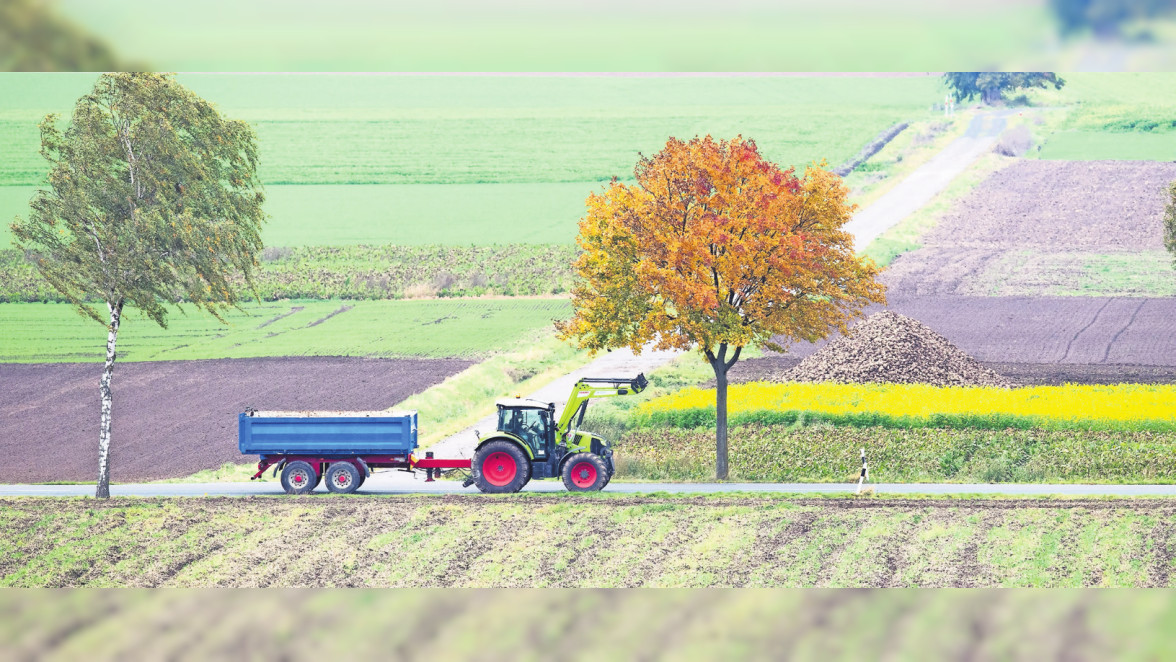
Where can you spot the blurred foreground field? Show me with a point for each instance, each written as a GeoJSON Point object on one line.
{"type": "Point", "coordinates": [586, 541]}
{"type": "Point", "coordinates": [521, 625]}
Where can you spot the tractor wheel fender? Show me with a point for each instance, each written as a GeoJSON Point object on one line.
{"type": "Point", "coordinates": [564, 460]}
{"type": "Point", "coordinates": [526, 448]}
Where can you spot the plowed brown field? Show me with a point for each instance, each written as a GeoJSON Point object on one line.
{"type": "Point", "coordinates": [1045, 330]}
{"type": "Point", "coordinates": [173, 418]}
{"type": "Point", "coordinates": [990, 243]}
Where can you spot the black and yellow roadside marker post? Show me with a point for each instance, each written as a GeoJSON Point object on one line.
{"type": "Point", "coordinates": [864, 475]}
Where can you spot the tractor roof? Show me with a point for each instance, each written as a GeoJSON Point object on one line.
{"type": "Point", "coordinates": [523, 403]}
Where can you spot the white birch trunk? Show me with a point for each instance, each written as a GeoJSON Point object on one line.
{"type": "Point", "coordinates": [104, 387]}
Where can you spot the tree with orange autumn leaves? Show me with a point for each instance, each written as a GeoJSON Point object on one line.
{"type": "Point", "coordinates": [715, 249]}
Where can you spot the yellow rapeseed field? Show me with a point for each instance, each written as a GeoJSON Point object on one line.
{"type": "Point", "coordinates": [1118, 403]}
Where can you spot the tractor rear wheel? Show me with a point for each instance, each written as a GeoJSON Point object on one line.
{"type": "Point", "coordinates": [299, 478]}
{"type": "Point", "coordinates": [585, 472]}
{"type": "Point", "coordinates": [500, 467]}
{"type": "Point", "coordinates": [342, 478]}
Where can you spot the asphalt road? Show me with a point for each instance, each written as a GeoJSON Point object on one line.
{"type": "Point", "coordinates": [405, 484]}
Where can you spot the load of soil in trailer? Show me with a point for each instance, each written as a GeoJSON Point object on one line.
{"type": "Point", "coordinates": [892, 348]}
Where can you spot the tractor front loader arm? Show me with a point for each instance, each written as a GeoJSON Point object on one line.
{"type": "Point", "coordinates": [587, 388]}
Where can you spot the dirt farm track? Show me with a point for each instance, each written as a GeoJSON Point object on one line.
{"type": "Point", "coordinates": [174, 418]}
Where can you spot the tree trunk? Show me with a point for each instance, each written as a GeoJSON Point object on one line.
{"type": "Point", "coordinates": [721, 365]}
{"type": "Point", "coordinates": [991, 95]}
{"type": "Point", "coordinates": [720, 421]}
{"type": "Point", "coordinates": [103, 491]}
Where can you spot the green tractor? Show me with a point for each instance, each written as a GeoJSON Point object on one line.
{"type": "Point", "coordinates": [530, 443]}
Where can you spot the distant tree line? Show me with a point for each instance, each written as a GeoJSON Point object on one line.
{"type": "Point", "coordinates": [1105, 18]}
{"type": "Point", "coordinates": [991, 86]}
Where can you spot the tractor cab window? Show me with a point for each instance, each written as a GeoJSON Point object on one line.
{"type": "Point", "coordinates": [531, 425]}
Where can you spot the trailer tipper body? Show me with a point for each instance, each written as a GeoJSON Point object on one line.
{"type": "Point", "coordinates": [343, 448]}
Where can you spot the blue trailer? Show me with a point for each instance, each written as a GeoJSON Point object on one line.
{"type": "Point", "coordinates": [341, 447]}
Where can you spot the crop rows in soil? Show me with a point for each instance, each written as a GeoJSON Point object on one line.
{"type": "Point", "coordinates": [750, 542]}
{"type": "Point", "coordinates": [1055, 207]}
{"type": "Point", "coordinates": [174, 418]}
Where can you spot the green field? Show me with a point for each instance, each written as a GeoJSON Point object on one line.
{"type": "Point", "coordinates": [1119, 116]}
{"type": "Point", "coordinates": [1037, 273]}
{"type": "Point", "coordinates": [43, 333]}
{"type": "Point", "coordinates": [405, 215]}
{"type": "Point", "coordinates": [475, 159]}
{"type": "Point", "coordinates": [585, 541]}
{"type": "Point", "coordinates": [1117, 146]}
{"type": "Point", "coordinates": [364, 272]}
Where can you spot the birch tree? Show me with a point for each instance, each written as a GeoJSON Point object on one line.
{"type": "Point", "coordinates": [151, 202]}
{"type": "Point", "coordinates": [713, 249]}
{"type": "Point", "coordinates": [1170, 223]}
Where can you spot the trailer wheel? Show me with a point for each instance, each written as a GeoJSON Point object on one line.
{"type": "Point", "coordinates": [585, 472]}
{"type": "Point", "coordinates": [299, 478]}
{"type": "Point", "coordinates": [342, 478]}
{"type": "Point", "coordinates": [500, 467]}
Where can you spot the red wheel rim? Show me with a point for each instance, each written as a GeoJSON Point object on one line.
{"type": "Point", "coordinates": [342, 479]}
{"type": "Point", "coordinates": [499, 468]}
{"type": "Point", "coordinates": [584, 474]}
{"type": "Point", "coordinates": [297, 478]}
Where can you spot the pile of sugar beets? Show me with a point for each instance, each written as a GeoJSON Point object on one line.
{"type": "Point", "coordinates": [891, 348]}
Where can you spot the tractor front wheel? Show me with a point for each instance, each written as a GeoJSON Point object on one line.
{"type": "Point", "coordinates": [500, 467]}
{"type": "Point", "coordinates": [585, 472]}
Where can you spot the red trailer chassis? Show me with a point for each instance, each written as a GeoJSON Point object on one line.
{"type": "Point", "coordinates": [364, 463]}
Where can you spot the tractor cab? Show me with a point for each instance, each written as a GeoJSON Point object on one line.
{"type": "Point", "coordinates": [531, 421]}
